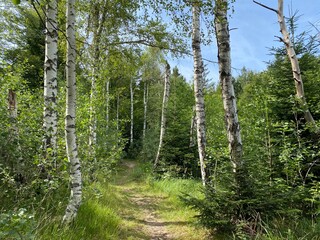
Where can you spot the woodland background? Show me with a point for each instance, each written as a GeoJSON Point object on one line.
{"type": "Point", "coordinates": [122, 48]}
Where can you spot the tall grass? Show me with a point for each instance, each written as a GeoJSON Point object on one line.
{"type": "Point", "coordinates": [97, 217]}
{"type": "Point", "coordinates": [106, 211]}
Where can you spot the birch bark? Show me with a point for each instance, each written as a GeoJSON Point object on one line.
{"type": "Point", "coordinates": [131, 111]}
{"type": "Point", "coordinates": [70, 132]}
{"type": "Point", "coordinates": [14, 136]}
{"type": "Point", "coordinates": [118, 109]}
{"type": "Point", "coordinates": [198, 90]}
{"type": "Point", "coordinates": [192, 127]}
{"type": "Point", "coordinates": [99, 17]}
{"type": "Point", "coordinates": [228, 95]}
{"type": "Point", "coordinates": [13, 111]}
{"type": "Point", "coordinates": [165, 99]}
{"type": "Point", "coordinates": [145, 108]}
{"type": "Point", "coordinates": [50, 83]}
{"type": "Point", "coordinates": [107, 103]}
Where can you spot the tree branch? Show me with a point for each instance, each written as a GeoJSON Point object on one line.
{"type": "Point", "coordinates": [265, 6]}
{"type": "Point", "coordinates": [150, 44]}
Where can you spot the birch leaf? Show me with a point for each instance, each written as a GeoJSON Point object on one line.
{"type": "Point", "coordinates": [16, 2]}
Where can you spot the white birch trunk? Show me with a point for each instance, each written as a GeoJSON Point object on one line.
{"type": "Point", "coordinates": [50, 82]}
{"type": "Point", "coordinates": [198, 90]}
{"type": "Point", "coordinates": [93, 120]}
{"type": "Point", "coordinates": [228, 95]}
{"type": "Point", "coordinates": [131, 112]}
{"type": "Point", "coordinates": [294, 64]}
{"type": "Point", "coordinates": [70, 120]}
{"type": "Point", "coordinates": [145, 109]}
{"type": "Point", "coordinates": [13, 111]}
{"type": "Point", "coordinates": [13, 114]}
{"type": "Point", "coordinates": [192, 127]}
{"type": "Point", "coordinates": [118, 109]}
{"type": "Point", "coordinates": [165, 99]}
{"type": "Point", "coordinates": [99, 16]}
{"type": "Point", "coordinates": [107, 104]}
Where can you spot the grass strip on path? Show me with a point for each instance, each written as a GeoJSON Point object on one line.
{"type": "Point", "coordinates": [133, 206]}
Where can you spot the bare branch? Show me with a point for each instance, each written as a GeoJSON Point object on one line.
{"type": "Point", "coordinates": [280, 39]}
{"type": "Point", "coordinates": [265, 6]}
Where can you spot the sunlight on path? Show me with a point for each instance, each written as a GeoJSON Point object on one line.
{"type": "Point", "coordinates": [146, 217]}
{"type": "Point", "coordinates": [142, 214]}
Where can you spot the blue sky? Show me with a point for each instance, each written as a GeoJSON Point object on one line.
{"type": "Point", "coordinates": [254, 33]}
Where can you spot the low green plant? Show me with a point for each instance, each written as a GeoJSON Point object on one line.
{"type": "Point", "coordinates": [17, 224]}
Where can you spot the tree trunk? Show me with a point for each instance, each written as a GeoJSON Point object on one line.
{"type": "Point", "coordinates": [131, 112]}
{"type": "Point", "coordinates": [228, 95]}
{"type": "Point", "coordinates": [107, 104]}
{"type": "Point", "coordinates": [13, 111]}
{"type": "Point", "coordinates": [93, 120]}
{"type": "Point", "coordinates": [165, 99]}
{"type": "Point", "coordinates": [50, 83]}
{"type": "Point", "coordinates": [14, 135]}
{"type": "Point", "coordinates": [198, 91]}
{"type": "Point", "coordinates": [145, 108]}
{"type": "Point", "coordinates": [118, 109]}
{"type": "Point", "coordinates": [294, 64]}
{"type": "Point", "coordinates": [192, 127]}
{"type": "Point", "coordinates": [99, 17]}
{"type": "Point", "coordinates": [93, 100]}
{"type": "Point", "coordinates": [70, 120]}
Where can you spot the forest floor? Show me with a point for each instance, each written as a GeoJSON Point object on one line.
{"type": "Point", "coordinates": [153, 214]}
{"type": "Point", "coordinates": [132, 205]}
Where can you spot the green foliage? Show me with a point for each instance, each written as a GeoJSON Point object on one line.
{"type": "Point", "coordinates": [177, 156]}
{"type": "Point", "coordinates": [16, 2]}
{"type": "Point", "coordinates": [17, 225]}
{"type": "Point", "coordinates": [280, 153]}
{"type": "Point", "coordinates": [23, 43]}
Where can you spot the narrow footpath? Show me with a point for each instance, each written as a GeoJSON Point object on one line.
{"type": "Point", "coordinates": [143, 214]}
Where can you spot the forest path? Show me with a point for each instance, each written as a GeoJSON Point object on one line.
{"type": "Point", "coordinates": [143, 212]}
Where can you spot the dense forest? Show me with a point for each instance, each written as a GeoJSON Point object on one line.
{"type": "Point", "coordinates": [96, 126]}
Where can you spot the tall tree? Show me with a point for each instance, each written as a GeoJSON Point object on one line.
{"type": "Point", "coordinates": [165, 99]}
{"type": "Point", "coordinates": [107, 103]}
{"type": "Point", "coordinates": [145, 108]}
{"type": "Point", "coordinates": [192, 128]}
{"type": "Point", "coordinates": [198, 89]}
{"type": "Point", "coordinates": [131, 110]}
{"type": "Point", "coordinates": [50, 82]}
{"type": "Point", "coordinates": [98, 19]}
{"type": "Point", "coordinates": [293, 60]}
{"type": "Point", "coordinates": [228, 95]}
{"type": "Point", "coordinates": [71, 139]}
{"type": "Point", "coordinates": [13, 114]}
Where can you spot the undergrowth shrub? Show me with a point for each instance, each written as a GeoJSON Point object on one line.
{"type": "Point", "coordinates": [17, 224]}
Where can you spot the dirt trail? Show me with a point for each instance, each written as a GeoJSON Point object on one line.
{"type": "Point", "coordinates": [145, 215]}
{"type": "Point", "coordinates": [152, 215]}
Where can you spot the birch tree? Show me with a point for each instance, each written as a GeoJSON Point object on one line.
{"type": "Point", "coordinates": [145, 108]}
{"type": "Point", "coordinates": [225, 75]}
{"type": "Point", "coordinates": [70, 119]}
{"type": "Point", "coordinates": [192, 128]}
{"type": "Point", "coordinates": [198, 90]}
{"type": "Point", "coordinates": [165, 99]}
{"type": "Point", "coordinates": [50, 82]}
{"type": "Point", "coordinates": [131, 111]}
{"type": "Point", "coordinates": [117, 111]}
{"type": "Point", "coordinates": [13, 111]}
{"type": "Point", "coordinates": [107, 104]}
{"type": "Point", "coordinates": [98, 16]}
{"type": "Point", "coordinates": [293, 60]}
{"type": "Point", "coordinates": [13, 114]}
